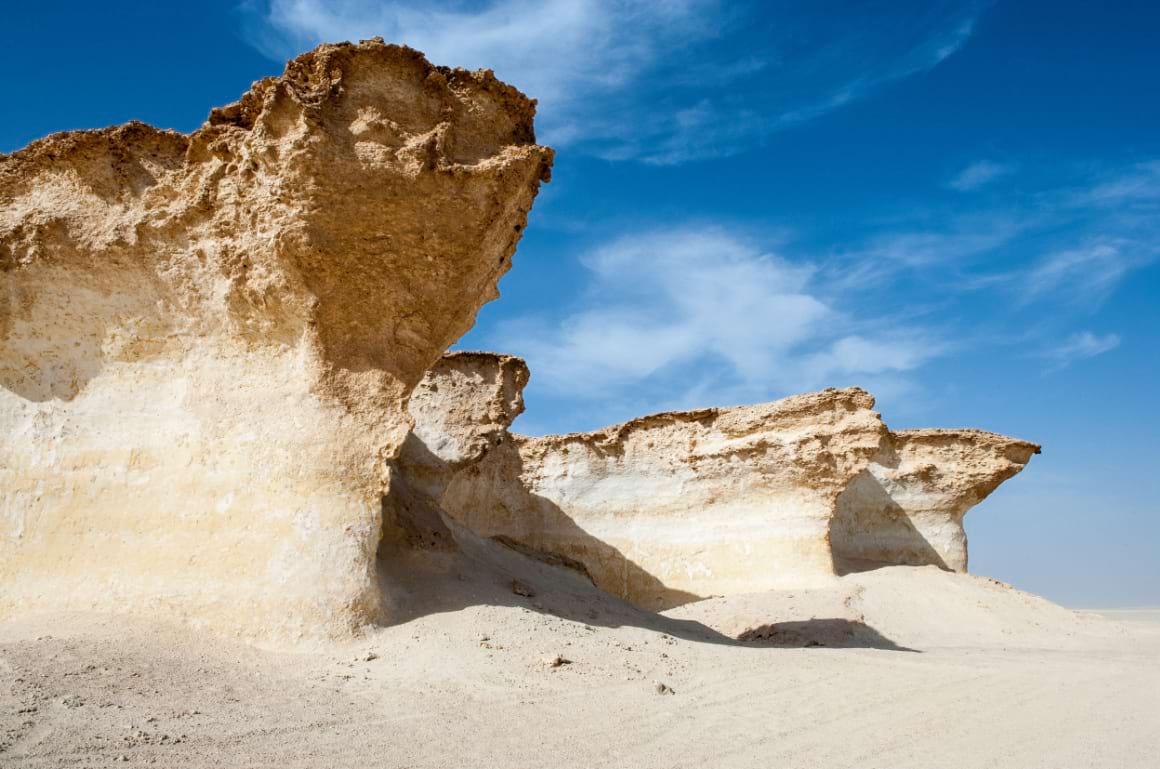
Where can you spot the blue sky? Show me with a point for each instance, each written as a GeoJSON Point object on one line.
{"type": "Point", "coordinates": [953, 204]}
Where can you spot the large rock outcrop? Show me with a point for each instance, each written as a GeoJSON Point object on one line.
{"type": "Point", "coordinates": [672, 507]}
{"type": "Point", "coordinates": [207, 341]}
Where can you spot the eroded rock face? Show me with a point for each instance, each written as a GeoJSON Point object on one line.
{"type": "Point", "coordinates": [461, 410]}
{"type": "Point", "coordinates": [207, 342]}
{"type": "Point", "coordinates": [672, 507]}
{"type": "Point", "coordinates": [907, 506]}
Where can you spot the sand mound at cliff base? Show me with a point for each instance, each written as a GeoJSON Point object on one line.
{"type": "Point", "coordinates": [913, 607]}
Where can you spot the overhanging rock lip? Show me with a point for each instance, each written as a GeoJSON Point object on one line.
{"type": "Point", "coordinates": [934, 434]}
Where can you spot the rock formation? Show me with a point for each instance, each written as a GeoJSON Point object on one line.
{"type": "Point", "coordinates": [672, 507]}
{"type": "Point", "coordinates": [222, 401]}
{"type": "Point", "coordinates": [207, 342]}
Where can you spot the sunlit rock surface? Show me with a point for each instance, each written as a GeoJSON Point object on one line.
{"type": "Point", "coordinates": [207, 342]}
{"type": "Point", "coordinates": [672, 507]}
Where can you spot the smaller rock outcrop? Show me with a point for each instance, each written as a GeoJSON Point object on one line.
{"type": "Point", "coordinates": [671, 507]}
{"type": "Point", "coordinates": [462, 410]}
{"type": "Point", "coordinates": [675, 506]}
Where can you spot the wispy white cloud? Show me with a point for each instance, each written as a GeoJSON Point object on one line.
{"type": "Point", "coordinates": [635, 79]}
{"type": "Point", "coordinates": [698, 315]}
{"type": "Point", "coordinates": [1086, 274]}
{"type": "Point", "coordinates": [1072, 244]}
{"type": "Point", "coordinates": [1080, 346]}
{"type": "Point", "coordinates": [935, 252]}
{"type": "Point", "coordinates": [977, 175]}
{"type": "Point", "coordinates": [1138, 186]}
{"type": "Point", "coordinates": [702, 315]}
{"type": "Point", "coordinates": [839, 68]}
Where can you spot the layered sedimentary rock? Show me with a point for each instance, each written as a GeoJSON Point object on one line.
{"type": "Point", "coordinates": [209, 352]}
{"type": "Point", "coordinates": [207, 341]}
{"type": "Point", "coordinates": [907, 506]}
{"type": "Point", "coordinates": [671, 507]}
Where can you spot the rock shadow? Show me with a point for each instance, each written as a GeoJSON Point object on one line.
{"type": "Point", "coordinates": [417, 582]}
{"type": "Point", "coordinates": [507, 510]}
{"type": "Point", "coordinates": [424, 576]}
{"type": "Point", "coordinates": [430, 562]}
{"type": "Point", "coordinates": [835, 632]}
{"type": "Point", "coordinates": [870, 530]}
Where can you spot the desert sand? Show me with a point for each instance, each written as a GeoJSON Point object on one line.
{"type": "Point", "coordinates": [897, 667]}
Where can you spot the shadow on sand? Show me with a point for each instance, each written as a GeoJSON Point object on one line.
{"type": "Point", "coordinates": [834, 632]}
{"type": "Point", "coordinates": [430, 563]}
{"type": "Point", "coordinates": [416, 582]}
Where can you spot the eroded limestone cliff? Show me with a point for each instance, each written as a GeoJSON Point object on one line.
{"type": "Point", "coordinates": [207, 342]}
{"type": "Point", "coordinates": [672, 507]}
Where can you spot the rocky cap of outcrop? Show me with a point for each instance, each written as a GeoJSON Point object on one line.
{"type": "Point", "coordinates": [670, 507]}
{"type": "Point", "coordinates": [908, 505]}
{"type": "Point", "coordinates": [208, 341]}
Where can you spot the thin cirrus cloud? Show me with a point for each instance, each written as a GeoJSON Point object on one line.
{"type": "Point", "coordinates": [1073, 244]}
{"type": "Point", "coordinates": [1079, 347]}
{"type": "Point", "coordinates": [1086, 274]}
{"type": "Point", "coordinates": [1138, 187]}
{"type": "Point", "coordinates": [681, 317]}
{"type": "Point", "coordinates": [977, 175]}
{"type": "Point", "coordinates": [658, 82]}
{"type": "Point", "coordinates": [1111, 228]}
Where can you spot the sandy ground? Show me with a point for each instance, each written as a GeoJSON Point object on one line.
{"type": "Point", "coordinates": [899, 667]}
